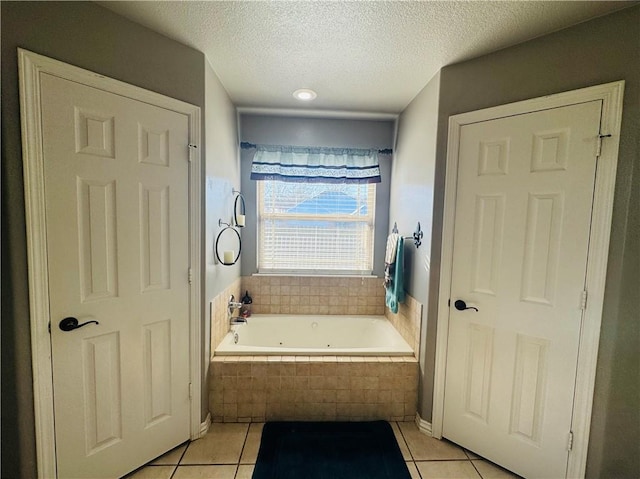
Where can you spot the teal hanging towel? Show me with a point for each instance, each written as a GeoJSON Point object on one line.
{"type": "Point", "coordinates": [395, 288]}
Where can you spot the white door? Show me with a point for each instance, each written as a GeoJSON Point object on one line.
{"type": "Point", "coordinates": [117, 185]}
{"type": "Point", "coordinates": [523, 213]}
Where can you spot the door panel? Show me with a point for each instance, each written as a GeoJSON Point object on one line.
{"type": "Point", "coordinates": [523, 212]}
{"type": "Point", "coordinates": [97, 239]}
{"type": "Point", "coordinates": [101, 391]}
{"type": "Point", "coordinates": [478, 372]}
{"type": "Point", "coordinates": [116, 180]}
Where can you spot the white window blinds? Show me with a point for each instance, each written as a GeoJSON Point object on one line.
{"type": "Point", "coordinates": [315, 227]}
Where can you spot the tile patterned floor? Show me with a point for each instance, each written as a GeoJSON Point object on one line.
{"type": "Point", "coordinates": [229, 451]}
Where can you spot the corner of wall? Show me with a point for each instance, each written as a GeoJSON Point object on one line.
{"type": "Point", "coordinates": [222, 176]}
{"type": "Point", "coordinates": [412, 201]}
{"type": "Point", "coordinates": [412, 184]}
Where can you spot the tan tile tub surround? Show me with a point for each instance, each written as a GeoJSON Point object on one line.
{"type": "Point", "coordinates": [331, 295]}
{"type": "Point", "coordinates": [348, 388]}
{"type": "Point", "coordinates": [315, 295]}
{"type": "Point", "coordinates": [218, 312]}
{"type": "Point", "coordinates": [259, 388]}
{"type": "Point", "coordinates": [407, 321]}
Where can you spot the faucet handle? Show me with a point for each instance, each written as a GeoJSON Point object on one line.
{"type": "Point", "coordinates": [231, 305]}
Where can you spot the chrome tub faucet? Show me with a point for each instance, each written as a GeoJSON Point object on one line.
{"type": "Point", "coordinates": [231, 306]}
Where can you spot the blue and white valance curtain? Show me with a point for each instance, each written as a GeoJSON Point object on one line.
{"type": "Point", "coordinates": [320, 165]}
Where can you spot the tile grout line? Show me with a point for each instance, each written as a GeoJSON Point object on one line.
{"type": "Point", "coordinates": [466, 452]}
{"type": "Point", "coordinates": [181, 458]}
{"type": "Point", "coordinates": [443, 460]}
{"type": "Point", "coordinates": [474, 466]}
{"type": "Point", "coordinates": [184, 452]}
{"type": "Point", "coordinates": [246, 438]}
{"type": "Point", "coordinates": [417, 470]}
{"type": "Point", "coordinates": [408, 449]}
{"type": "Point", "coordinates": [405, 442]}
{"type": "Point", "coordinates": [236, 463]}
{"type": "Point", "coordinates": [435, 460]}
{"type": "Point", "coordinates": [175, 467]}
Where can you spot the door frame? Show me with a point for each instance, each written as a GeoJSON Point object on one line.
{"type": "Point", "coordinates": [611, 96]}
{"type": "Point", "coordinates": [30, 66]}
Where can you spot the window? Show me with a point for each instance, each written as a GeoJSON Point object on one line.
{"type": "Point", "coordinates": [324, 228]}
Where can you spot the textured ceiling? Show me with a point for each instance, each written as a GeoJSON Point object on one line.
{"type": "Point", "coordinates": [358, 56]}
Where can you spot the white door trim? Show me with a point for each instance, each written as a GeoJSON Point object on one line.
{"type": "Point", "coordinates": [30, 66]}
{"type": "Point", "coordinates": [611, 96]}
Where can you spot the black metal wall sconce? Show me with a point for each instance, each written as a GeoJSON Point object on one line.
{"type": "Point", "coordinates": [229, 257]}
{"type": "Point", "coordinates": [239, 217]}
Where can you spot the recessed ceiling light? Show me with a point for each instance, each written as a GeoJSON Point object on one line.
{"type": "Point", "coordinates": [305, 94]}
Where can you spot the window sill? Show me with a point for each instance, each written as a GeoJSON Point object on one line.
{"type": "Point", "coordinates": [306, 274]}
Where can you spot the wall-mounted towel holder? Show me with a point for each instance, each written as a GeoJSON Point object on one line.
{"type": "Point", "coordinates": [417, 234]}
{"type": "Point", "coordinates": [229, 257]}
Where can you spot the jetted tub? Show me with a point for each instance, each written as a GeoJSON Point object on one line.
{"type": "Point", "coordinates": [313, 335]}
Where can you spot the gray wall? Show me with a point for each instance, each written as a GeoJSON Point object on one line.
{"type": "Point", "coordinates": [222, 175]}
{"type": "Point", "coordinates": [412, 201]}
{"type": "Point", "coordinates": [336, 133]}
{"type": "Point", "coordinates": [599, 51]}
{"type": "Point", "coordinates": [89, 36]}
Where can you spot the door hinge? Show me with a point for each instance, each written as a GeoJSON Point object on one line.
{"type": "Point", "coordinates": [190, 391]}
{"type": "Point", "coordinates": [583, 300]}
{"type": "Point", "coordinates": [570, 441]}
{"type": "Point", "coordinates": [49, 327]}
{"type": "Point", "coordinates": [191, 148]}
{"type": "Point", "coordinates": [190, 275]}
{"type": "Point", "coordinates": [599, 144]}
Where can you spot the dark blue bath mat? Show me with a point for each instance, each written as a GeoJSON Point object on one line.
{"type": "Point", "coordinates": [329, 450]}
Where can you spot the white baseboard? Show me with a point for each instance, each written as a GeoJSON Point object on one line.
{"type": "Point", "coordinates": [204, 426]}
{"type": "Point", "coordinates": [423, 426]}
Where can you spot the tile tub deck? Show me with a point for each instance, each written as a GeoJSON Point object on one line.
{"type": "Point", "coordinates": [312, 388]}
